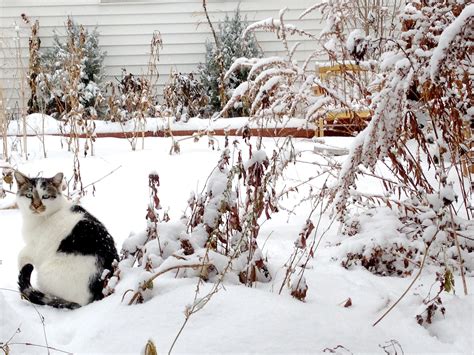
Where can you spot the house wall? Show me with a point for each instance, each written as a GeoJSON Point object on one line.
{"type": "Point", "coordinates": [126, 28]}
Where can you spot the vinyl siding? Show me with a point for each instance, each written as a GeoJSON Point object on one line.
{"type": "Point", "coordinates": [126, 28]}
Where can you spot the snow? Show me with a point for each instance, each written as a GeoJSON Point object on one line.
{"type": "Point", "coordinates": [354, 40]}
{"type": "Point", "coordinates": [237, 319]}
{"type": "Point", "coordinates": [39, 124]}
{"type": "Point", "coordinates": [238, 63]}
{"type": "Point", "coordinates": [447, 37]}
{"type": "Point", "coordinates": [269, 24]}
{"type": "Point", "coordinates": [261, 63]}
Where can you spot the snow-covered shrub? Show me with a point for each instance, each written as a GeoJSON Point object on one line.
{"type": "Point", "coordinates": [280, 86]}
{"type": "Point", "coordinates": [415, 82]}
{"type": "Point", "coordinates": [218, 235]}
{"type": "Point", "coordinates": [356, 29]}
{"type": "Point", "coordinates": [433, 305]}
{"type": "Point", "coordinates": [185, 96]}
{"type": "Point", "coordinates": [52, 82]}
{"type": "Point", "coordinates": [379, 245]}
{"type": "Point", "coordinates": [130, 102]}
{"type": "Point", "coordinates": [134, 98]}
{"type": "Point", "coordinates": [232, 46]}
{"type": "Point", "coordinates": [68, 86]}
{"type": "Point", "coordinates": [418, 132]}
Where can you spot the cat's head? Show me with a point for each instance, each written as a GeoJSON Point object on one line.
{"type": "Point", "coordinates": [39, 196]}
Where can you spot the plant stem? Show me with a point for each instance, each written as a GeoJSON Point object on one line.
{"type": "Point", "coordinates": [461, 263]}
{"type": "Point", "coordinates": [135, 296]}
{"type": "Point", "coordinates": [408, 288]}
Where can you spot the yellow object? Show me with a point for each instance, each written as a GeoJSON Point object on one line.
{"type": "Point", "coordinates": [343, 116]}
{"type": "Point", "coordinates": [328, 70]}
{"type": "Point", "coordinates": [347, 114]}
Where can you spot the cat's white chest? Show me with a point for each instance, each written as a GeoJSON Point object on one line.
{"type": "Point", "coordinates": [44, 235]}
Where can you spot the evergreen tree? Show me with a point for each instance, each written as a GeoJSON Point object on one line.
{"type": "Point", "coordinates": [233, 47]}
{"type": "Point", "coordinates": [54, 62]}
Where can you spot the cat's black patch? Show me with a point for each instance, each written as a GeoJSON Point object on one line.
{"type": "Point", "coordinates": [34, 181]}
{"type": "Point", "coordinates": [90, 237]}
{"type": "Point", "coordinates": [38, 297]}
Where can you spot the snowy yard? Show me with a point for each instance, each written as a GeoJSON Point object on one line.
{"type": "Point", "coordinates": [360, 245]}
{"type": "Point", "coordinates": [238, 319]}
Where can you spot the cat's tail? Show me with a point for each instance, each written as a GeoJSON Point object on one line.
{"type": "Point", "coordinates": [36, 296]}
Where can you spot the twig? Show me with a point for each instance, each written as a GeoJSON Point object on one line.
{"type": "Point", "coordinates": [409, 286]}
{"type": "Point", "coordinates": [199, 305]}
{"type": "Point", "coordinates": [98, 180]}
{"type": "Point", "coordinates": [458, 248]}
{"type": "Point", "coordinates": [137, 294]}
{"type": "Point", "coordinates": [41, 317]}
{"type": "Point", "coordinates": [43, 347]}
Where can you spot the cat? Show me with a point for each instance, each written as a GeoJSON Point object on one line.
{"type": "Point", "coordinates": [69, 248]}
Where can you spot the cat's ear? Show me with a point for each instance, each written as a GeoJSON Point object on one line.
{"type": "Point", "coordinates": [21, 179]}
{"type": "Point", "coordinates": [58, 180]}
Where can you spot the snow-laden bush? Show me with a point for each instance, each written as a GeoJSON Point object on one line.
{"type": "Point", "coordinates": [218, 236]}
{"type": "Point", "coordinates": [413, 77]}
{"type": "Point", "coordinates": [232, 46]}
{"type": "Point", "coordinates": [281, 86]}
{"type": "Point", "coordinates": [55, 65]}
{"type": "Point", "coordinates": [418, 131]}
{"type": "Point", "coordinates": [185, 96]}
{"type": "Point", "coordinates": [134, 98]}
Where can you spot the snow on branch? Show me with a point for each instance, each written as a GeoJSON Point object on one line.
{"type": "Point", "coordinates": [462, 22]}
{"type": "Point", "coordinates": [273, 25]}
{"type": "Point", "coordinates": [310, 9]}
{"type": "Point", "coordinates": [262, 63]}
{"type": "Point", "coordinates": [239, 63]}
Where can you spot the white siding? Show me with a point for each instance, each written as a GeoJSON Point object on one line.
{"type": "Point", "coordinates": [126, 28]}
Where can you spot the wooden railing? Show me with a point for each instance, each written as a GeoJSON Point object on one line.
{"type": "Point", "coordinates": [343, 120]}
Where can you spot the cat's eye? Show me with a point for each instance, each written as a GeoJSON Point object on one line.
{"type": "Point", "coordinates": [45, 197]}
{"type": "Point", "coordinates": [29, 195]}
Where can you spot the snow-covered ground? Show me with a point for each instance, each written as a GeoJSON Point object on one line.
{"type": "Point", "coordinates": [238, 319]}
{"type": "Point", "coordinates": [39, 124]}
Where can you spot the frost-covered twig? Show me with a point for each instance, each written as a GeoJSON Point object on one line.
{"type": "Point", "coordinates": [4, 346]}
{"type": "Point", "coordinates": [74, 193]}
{"type": "Point", "coordinates": [147, 284]}
{"type": "Point", "coordinates": [463, 22]}
{"type": "Point", "coordinates": [272, 25]}
{"type": "Point", "coordinates": [408, 288]}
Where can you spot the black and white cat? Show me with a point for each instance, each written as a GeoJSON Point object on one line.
{"type": "Point", "coordinates": [69, 248]}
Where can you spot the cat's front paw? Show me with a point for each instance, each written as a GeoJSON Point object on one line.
{"type": "Point", "coordinates": [24, 259]}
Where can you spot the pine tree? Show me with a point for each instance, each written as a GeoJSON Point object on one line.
{"type": "Point", "coordinates": [54, 62]}
{"type": "Point", "coordinates": [233, 47]}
